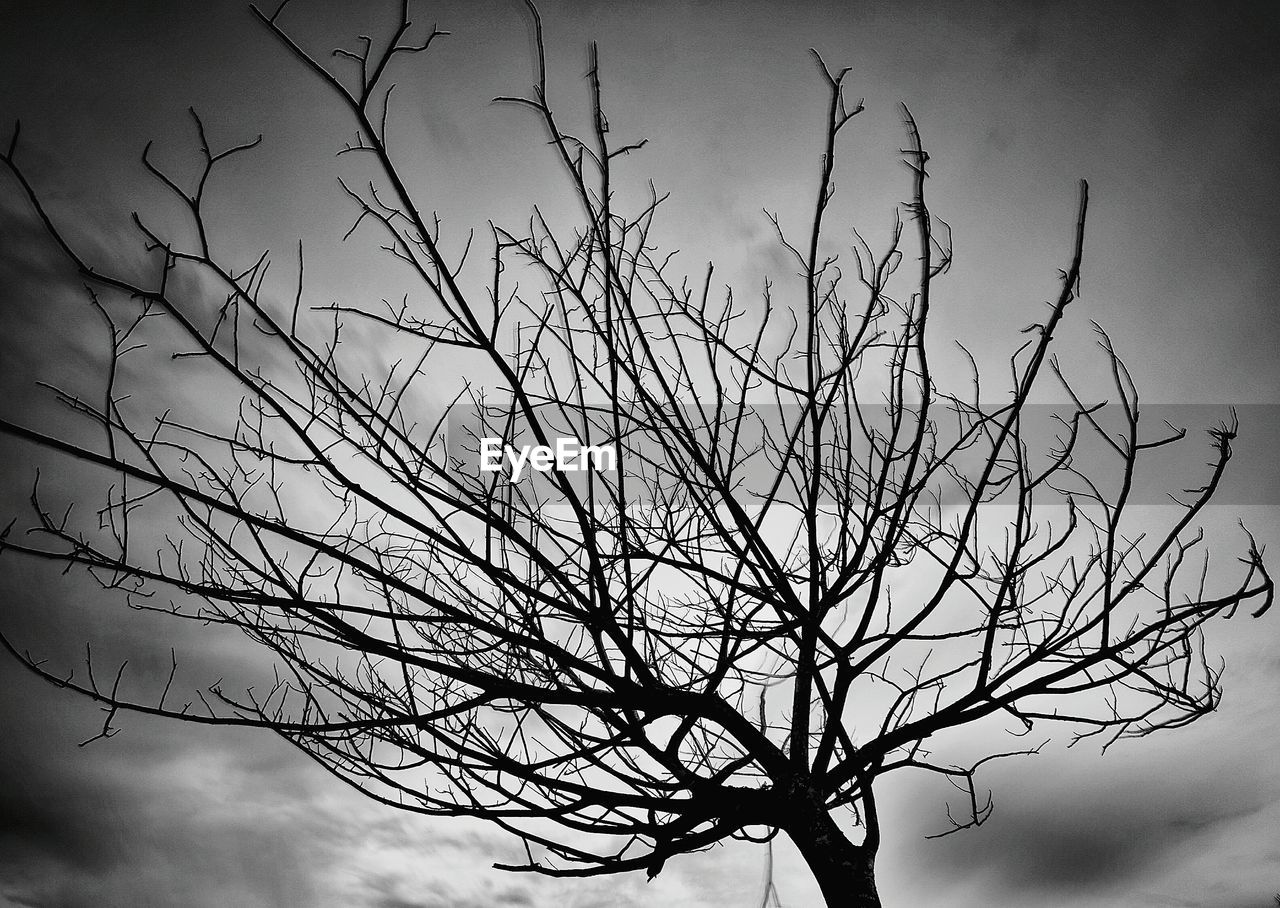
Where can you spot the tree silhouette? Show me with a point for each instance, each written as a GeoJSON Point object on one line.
{"type": "Point", "coordinates": [809, 557]}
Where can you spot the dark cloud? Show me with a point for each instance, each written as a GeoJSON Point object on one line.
{"type": "Point", "coordinates": [1107, 840]}
{"type": "Point", "coordinates": [141, 816]}
{"type": "Point", "coordinates": [1065, 830]}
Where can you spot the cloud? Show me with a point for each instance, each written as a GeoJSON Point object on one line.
{"type": "Point", "coordinates": [1076, 829]}
{"type": "Point", "coordinates": [153, 816]}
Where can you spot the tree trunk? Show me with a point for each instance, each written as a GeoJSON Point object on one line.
{"type": "Point", "coordinates": [845, 872]}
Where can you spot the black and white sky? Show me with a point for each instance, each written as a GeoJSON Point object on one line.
{"type": "Point", "coordinates": [1171, 111]}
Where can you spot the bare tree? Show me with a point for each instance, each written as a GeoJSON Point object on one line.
{"type": "Point", "coordinates": [809, 558]}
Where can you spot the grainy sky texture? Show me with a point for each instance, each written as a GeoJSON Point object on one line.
{"type": "Point", "coordinates": [1171, 111]}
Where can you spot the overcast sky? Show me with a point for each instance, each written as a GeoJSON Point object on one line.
{"type": "Point", "coordinates": [1170, 111]}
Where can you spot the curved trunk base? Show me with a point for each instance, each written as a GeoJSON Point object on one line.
{"type": "Point", "coordinates": [845, 872]}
